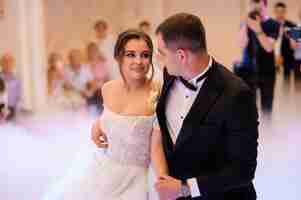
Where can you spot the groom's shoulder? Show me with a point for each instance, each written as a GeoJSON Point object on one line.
{"type": "Point", "coordinates": [229, 80]}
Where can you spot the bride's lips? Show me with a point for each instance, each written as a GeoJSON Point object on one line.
{"type": "Point", "coordinates": [138, 69]}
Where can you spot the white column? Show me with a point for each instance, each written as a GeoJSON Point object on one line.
{"type": "Point", "coordinates": [37, 46]}
{"type": "Point", "coordinates": [32, 53]}
{"type": "Point", "coordinates": [22, 54]}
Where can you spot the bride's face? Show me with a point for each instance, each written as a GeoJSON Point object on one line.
{"type": "Point", "coordinates": [136, 60]}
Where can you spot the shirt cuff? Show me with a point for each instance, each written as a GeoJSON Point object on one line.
{"type": "Point", "coordinates": [194, 188]}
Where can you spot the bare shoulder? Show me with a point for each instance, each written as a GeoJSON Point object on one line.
{"type": "Point", "coordinates": [110, 90]}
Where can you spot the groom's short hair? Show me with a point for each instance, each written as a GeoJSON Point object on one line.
{"type": "Point", "coordinates": [183, 31]}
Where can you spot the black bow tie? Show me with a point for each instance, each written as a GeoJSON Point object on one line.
{"type": "Point", "coordinates": [191, 86]}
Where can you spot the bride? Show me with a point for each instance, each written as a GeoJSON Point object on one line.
{"type": "Point", "coordinates": [121, 172]}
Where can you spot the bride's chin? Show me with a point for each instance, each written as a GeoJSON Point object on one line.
{"type": "Point", "coordinates": [139, 77]}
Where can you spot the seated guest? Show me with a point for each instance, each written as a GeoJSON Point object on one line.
{"type": "Point", "coordinates": [77, 77]}
{"type": "Point", "coordinates": [56, 81]}
{"type": "Point", "coordinates": [105, 40]}
{"type": "Point", "coordinates": [55, 74]}
{"type": "Point", "coordinates": [100, 74]}
{"type": "Point", "coordinates": [145, 26]}
{"type": "Point", "coordinates": [13, 85]}
{"type": "Point", "coordinates": [3, 102]}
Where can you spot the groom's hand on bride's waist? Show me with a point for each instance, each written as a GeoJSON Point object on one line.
{"type": "Point", "coordinates": [97, 136]}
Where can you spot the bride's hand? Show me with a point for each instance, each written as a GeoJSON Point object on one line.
{"type": "Point", "coordinates": [97, 136]}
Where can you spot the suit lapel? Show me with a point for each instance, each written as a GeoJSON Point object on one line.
{"type": "Point", "coordinates": [168, 81]}
{"type": "Point", "coordinates": [161, 108]}
{"type": "Point", "coordinates": [204, 101]}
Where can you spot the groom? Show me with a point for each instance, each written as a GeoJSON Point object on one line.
{"type": "Point", "coordinates": [207, 116]}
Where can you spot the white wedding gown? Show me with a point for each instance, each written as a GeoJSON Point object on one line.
{"type": "Point", "coordinates": [120, 172]}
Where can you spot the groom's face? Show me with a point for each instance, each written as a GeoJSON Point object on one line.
{"type": "Point", "coordinates": [167, 57]}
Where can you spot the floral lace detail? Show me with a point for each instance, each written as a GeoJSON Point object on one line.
{"type": "Point", "coordinates": [128, 137]}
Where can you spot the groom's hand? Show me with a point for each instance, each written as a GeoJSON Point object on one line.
{"type": "Point", "coordinates": [168, 187]}
{"type": "Point", "coordinates": [98, 137]}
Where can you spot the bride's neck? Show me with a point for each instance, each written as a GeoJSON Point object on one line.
{"type": "Point", "coordinates": [137, 85]}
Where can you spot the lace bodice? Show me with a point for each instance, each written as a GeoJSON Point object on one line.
{"type": "Point", "coordinates": [129, 137]}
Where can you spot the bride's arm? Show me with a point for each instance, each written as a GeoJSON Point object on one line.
{"type": "Point", "coordinates": [98, 136]}
{"type": "Point", "coordinates": [157, 153]}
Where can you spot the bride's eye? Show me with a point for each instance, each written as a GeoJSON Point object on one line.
{"type": "Point", "coordinates": [145, 55]}
{"type": "Point", "coordinates": [130, 55]}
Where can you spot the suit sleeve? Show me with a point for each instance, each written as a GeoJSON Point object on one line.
{"type": "Point", "coordinates": [240, 147]}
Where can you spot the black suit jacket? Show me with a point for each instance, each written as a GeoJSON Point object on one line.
{"type": "Point", "coordinates": [217, 143]}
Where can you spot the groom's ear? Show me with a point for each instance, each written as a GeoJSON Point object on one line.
{"type": "Point", "coordinates": [181, 55]}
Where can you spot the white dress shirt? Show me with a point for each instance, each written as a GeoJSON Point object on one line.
{"type": "Point", "coordinates": [179, 102]}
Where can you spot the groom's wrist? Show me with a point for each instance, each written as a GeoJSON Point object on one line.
{"type": "Point", "coordinates": [185, 189]}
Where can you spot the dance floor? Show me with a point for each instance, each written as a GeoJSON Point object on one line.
{"type": "Point", "coordinates": [37, 150]}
